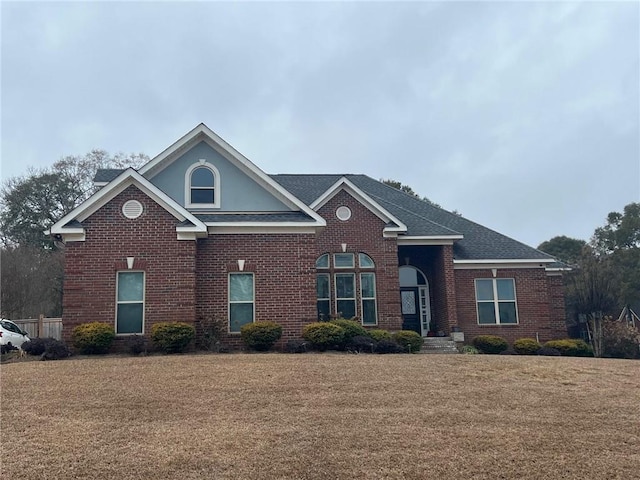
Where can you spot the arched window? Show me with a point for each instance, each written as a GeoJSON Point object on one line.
{"type": "Point", "coordinates": [346, 288]}
{"type": "Point", "coordinates": [202, 186]}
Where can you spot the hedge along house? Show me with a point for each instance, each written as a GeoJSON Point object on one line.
{"type": "Point", "coordinates": [201, 233]}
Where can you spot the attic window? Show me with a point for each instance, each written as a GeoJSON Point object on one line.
{"type": "Point", "coordinates": [202, 185]}
{"type": "Point", "coordinates": [132, 209]}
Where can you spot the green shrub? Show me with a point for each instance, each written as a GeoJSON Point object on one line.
{"type": "Point", "coordinates": [409, 340]}
{"type": "Point", "coordinates": [172, 337]}
{"type": "Point", "coordinates": [93, 338]}
{"type": "Point", "coordinates": [46, 348]}
{"type": "Point", "coordinates": [261, 336]}
{"type": "Point", "coordinates": [548, 352]}
{"type": "Point", "coordinates": [469, 350]}
{"type": "Point", "coordinates": [323, 335]}
{"type": "Point", "coordinates": [387, 345]}
{"type": "Point", "coordinates": [351, 329]}
{"type": "Point", "coordinates": [362, 344]}
{"type": "Point", "coordinates": [526, 346]}
{"type": "Point", "coordinates": [571, 347]}
{"type": "Point", "coordinates": [378, 334]}
{"type": "Point", "coordinates": [491, 344]}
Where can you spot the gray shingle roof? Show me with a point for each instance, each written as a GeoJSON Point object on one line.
{"type": "Point", "coordinates": [421, 218]}
{"type": "Point", "coordinates": [255, 217]}
{"type": "Point", "coordinates": [107, 174]}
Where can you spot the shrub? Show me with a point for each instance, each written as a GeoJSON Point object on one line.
{"type": "Point", "coordinates": [491, 344]}
{"type": "Point", "coordinates": [408, 339]}
{"type": "Point", "coordinates": [548, 352]}
{"type": "Point", "coordinates": [296, 346]}
{"type": "Point", "coordinates": [172, 337]}
{"type": "Point", "coordinates": [388, 346]}
{"type": "Point", "coordinates": [323, 335]}
{"type": "Point", "coordinates": [47, 348]}
{"type": "Point", "coordinates": [620, 340]}
{"type": "Point", "coordinates": [351, 329]}
{"type": "Point", "coordinates": [137, 344]}
{"type": "Point", "coordinates": [213, 330]}
{"type": "Point", "coordinates": [93, 338]}
{"type": "Point", "coordinates": [362, 343]}
{"type": "Point", "coordinates": [378, 334]}
{"type": "Point", "coordinates": [526, 346]}
{"type": "Point", "coordinates": [571, 347]}
{"type": "Point", "coordinates": [261, 336]}
{"type": "Point", "coordinates": [469, 350]}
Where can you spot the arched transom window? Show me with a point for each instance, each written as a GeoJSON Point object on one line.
{"type": "Point", "coordinates": [202, 186]}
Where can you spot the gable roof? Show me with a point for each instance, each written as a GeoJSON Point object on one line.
{"type": "Point", "coordinates": [202, 133]}
{"type": "Point", "coordinates": [473, 241]}
{"type": "Point", "coordinates": [71, 224]}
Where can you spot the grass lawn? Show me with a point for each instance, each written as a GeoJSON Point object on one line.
{"type": "Point", "coordinates": [321, 416]}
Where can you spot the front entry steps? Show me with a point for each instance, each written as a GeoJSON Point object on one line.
{"type": "Point", "coordinates": [439, 345]}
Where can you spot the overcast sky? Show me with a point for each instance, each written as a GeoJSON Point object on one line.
{"type": "Point", "coordinates": [524, 117]}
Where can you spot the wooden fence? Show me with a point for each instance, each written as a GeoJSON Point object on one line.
{"type": "Point", "coordinates": [41, 327]}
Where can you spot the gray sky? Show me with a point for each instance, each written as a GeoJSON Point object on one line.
{"type": "Point", "coordinates": [522, 116]}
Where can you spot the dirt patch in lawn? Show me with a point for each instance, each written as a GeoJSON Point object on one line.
{"type": "Point", "coordinates": [330, 416]}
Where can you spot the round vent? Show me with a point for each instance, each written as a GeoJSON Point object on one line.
{"type": "Point", "coordinates": [343, 213]}
{"type": "Point", "coordinates": [132, 209]}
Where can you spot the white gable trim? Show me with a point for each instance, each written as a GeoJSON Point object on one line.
{"type": "Point", "coordinates": [118, 185]}
{"type": "Point", "coordinates": [374, 207]}
{"type": "Point", "coordinates": [501, 263]}
{"type": "Point", "coordinates": [202, 133]}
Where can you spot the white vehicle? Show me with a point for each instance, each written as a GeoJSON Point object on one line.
{"type": "Point", "coordinates": [11, 334]}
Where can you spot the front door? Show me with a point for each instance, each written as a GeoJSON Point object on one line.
{"type": "Point", "coordinates": [410, 309]}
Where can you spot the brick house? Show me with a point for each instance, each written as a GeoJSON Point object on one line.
{"type": "Point", "coordinates": [201, 233]}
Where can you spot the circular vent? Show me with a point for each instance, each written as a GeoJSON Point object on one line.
{"type": "Point", "coordinates": [343, 213]}
{"type": "Point", "coordinates": [132, 209]}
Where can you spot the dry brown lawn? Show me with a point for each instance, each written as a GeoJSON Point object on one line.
{"type": "Point", "coordinates": [321, 416]}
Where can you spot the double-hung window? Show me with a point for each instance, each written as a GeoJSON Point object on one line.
{"type": "Point", "coordinates": [241, 300]}
{"type": "Point", "coordinates": [323, 296]}
{"type": "Point", "coordinates": [345, 294]}
{"type": "Point", "coordinates": [130, 303]}
{"type": "Point", "coordinates": [368, 298]}
{"type": "Point", "coordinates": [496, 301]}
{"type": "Point", "coordinates": [202, 186]}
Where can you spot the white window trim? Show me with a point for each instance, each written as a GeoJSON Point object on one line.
{"type": "Point", "coordinates": [324, 299]}
{"type": "Point", "coordinates": [216, 186]}
{"type": "Point", "coordinates": [229, 301]}
{"type": "Point", "coordinates": [355, 293]}
{"type": "Point", "coordinates": [496, 301]}
{"type": "Point", "coordinates": [374, 298]}
{"type": "Point", "coordinates": [144, 296]}
{"type": "Point", "coordinates": [348, 267]}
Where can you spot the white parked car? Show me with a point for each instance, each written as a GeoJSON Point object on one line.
{"type": "Point", "coordinates": [11, 334]}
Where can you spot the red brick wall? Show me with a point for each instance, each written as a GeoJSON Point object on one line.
{"type": "Point", "coordinates": [558, 313]}
{"type": "Point", "coordinates": [538, 312]}
{"type": "Point", "coordinates": [363, 233]}
{"type": "Point", "coordinates": [91, 266]}
{"type": "Point", "coordinates": [284, 279]}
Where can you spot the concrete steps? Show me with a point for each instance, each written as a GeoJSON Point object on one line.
{"type": "Point", "coordinates": [439, 345]}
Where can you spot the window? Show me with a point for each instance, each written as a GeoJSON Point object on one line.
{"type": "Point", "coordinates": [345, 295]}
{"type": "Point", "coordinates": [202, 185]}
{"type": "Point", "coordinates": [365, 261]}
{"type": "Point", "coordinates": [241, 300]}
{"type": "Point", "coordinates": [496, 301]}
{"type": "Point", "coordinates": [368, 298]}
{"type": "Point", "coordinates": [343, 260]}
{"type": "Point", "coordinates": [323, 261]}
{"type": "Point", "coordinates": [323, 291]}
{"type": "Point", "coordinates": [130, 302]}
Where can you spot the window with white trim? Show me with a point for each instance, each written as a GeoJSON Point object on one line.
{"type": "Point", "coordinates": [345, 294]}
{"type": "Point", "coordinates": [346, 289]}
{"type": "Point", "coordinates": [202, 186]}
{"type": "Point", "coordinates": [323, 292]}
{"type": "Point", "coordinates": [241, 300]}
{"type": "Point", "coordinates": [130, 303]}
{"type": "Point", "coordinates": [368, 298]}
{"type": "Point", "coordinates": [496, 301]}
